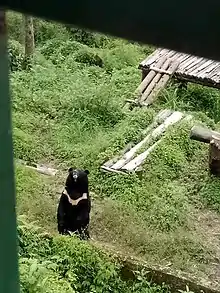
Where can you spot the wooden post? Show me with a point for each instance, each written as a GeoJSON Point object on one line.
{"type": "Point", "coordinates": [214, 156]}
{"type": "Point", "coordinates": [28, 39]}
{"type": "Point", "coordinates": [213, 138]}
{"type": "Point", "coordinates": [144, 74]}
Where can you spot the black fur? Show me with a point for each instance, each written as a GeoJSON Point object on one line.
{"type": "Point", "coordinates": [75, 218]}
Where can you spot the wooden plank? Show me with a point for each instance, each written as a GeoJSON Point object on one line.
{"type": "Point", "coordinates": [161, 84]}
{"type": "Point", "coordinates": [135, 102]}
{"type": "Point", "coordinates": [204, 65]}
{"type": "Point", "coordinates": [216, 72]}
{"type": "Point", "coordinates": [148, 79]}
{"type": "Point", "coordinates": [137, 161]}
{"type": "Point", "coordinates": [150, 59]}
{"type": "Point", "coordinates": [110, 162]}
{"type": "Point", "coordinates": [170, 54]}
{"type": "Point", "coordinates": [157, 56]}
{"type": "Point", "coordinates": [203, 134]}
{"type": "Point", "coordinates": [194, 70]}
{"type": "Point", "coordinates": [154, 82]}
{"type": "Point", "coordinates": [185, 63]}
{"type": "Point", "coordinates": [203, 71]}
{"type": "Point", "coordinates": [43, 170]}
{"type": "Point", "coordinates": [208, 70]}
{"type": "Point", "coordinates": [160, 117]}
{"type": "Point", "coordinates": [176, 56]}
{"type": "Point", "coordinates": [214, 156]}
{"type": "Point", "coordinates": [176, 116]}
{"type": "Point", "coordinates": [190, 63]}
{"type": "Point", "coordinates": [126, 149]}
{"type": "Point", "coordinates": [212, 73]}
{"type": "Point", "coordinates": [182, 59]}
{"type": "Point", "coordinates": [193, 79]}
{"type": "Point", "coordinates": [194, 65]}
{"type": "Point", "coordinates": [159, 70]}
{"type": "Point", "coordinates": [104, 168]}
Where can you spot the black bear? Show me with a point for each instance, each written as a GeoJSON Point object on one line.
{"type": "Point", "coordinates": [73, 214]}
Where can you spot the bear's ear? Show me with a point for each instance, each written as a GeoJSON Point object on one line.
{"type": "Point", "coordinates": [86, 171]}
{"type": "Point", "coordinates": [70, 170]}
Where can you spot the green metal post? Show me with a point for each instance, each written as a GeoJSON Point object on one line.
{"type": "Point", "coordinates": [8, 242]}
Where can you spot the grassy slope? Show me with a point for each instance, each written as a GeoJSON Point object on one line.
{"type": "Point", "coordinates": [67, 112]}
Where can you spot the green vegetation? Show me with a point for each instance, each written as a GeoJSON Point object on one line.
{"type": "Point", "coordinates": [68, 111]}
{"type": "Point", "coordinates": [64, 264]}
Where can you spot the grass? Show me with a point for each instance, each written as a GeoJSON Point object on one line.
{"type": "Point", "coordinates": [67, 111]}
{"type": "Point", "coordinates": [53, 264]}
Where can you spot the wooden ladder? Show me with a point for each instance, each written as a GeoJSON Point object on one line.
{"type": "Point", "coordinates": [156, 79]}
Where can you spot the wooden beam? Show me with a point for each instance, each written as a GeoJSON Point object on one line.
{"type": "Point", "coordinates": [104, 168]}
{"type": "Point", "coordinates": [157, 132]}
{"type": "Point", "coordinates": [214, 156]}
{"type": "Point", "coordinates": [203, 134]}
{"type": "Point", "coordinates": [159, 70]}
{"type": "Point", "coordinates": [149, 77]}
{"type": "Point", "coordinates": [161, 84]}
{"type": "Point", "coordinates": [154, 82]}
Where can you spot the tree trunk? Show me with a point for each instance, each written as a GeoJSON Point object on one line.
{"type": "Point", "coordinates": [28, 38]}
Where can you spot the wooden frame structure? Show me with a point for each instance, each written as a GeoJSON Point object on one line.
{"type": "Point", "coordinates": [162, 64]}
{"type": "Point", "coordinates": [130, 160]}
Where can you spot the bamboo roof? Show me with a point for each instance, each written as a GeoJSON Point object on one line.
{"type": "Point", "coordinates": [191, 68]}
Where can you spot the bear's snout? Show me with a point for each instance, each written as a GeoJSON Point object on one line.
{"type": "Point", "coordinates": [75, 176]}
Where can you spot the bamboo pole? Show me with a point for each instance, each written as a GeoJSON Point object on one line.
{"type": "Point", "coordinates": [161, 84]}
{"type": "Point", "coordinates": [155, 80]}
{"type": "Point", "coordinates": [175, 117]}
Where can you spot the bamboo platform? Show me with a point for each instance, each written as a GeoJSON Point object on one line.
{"type": "Point", "coordinates": [163, 64]}
{"type": "Point", "coordinates": [130, 160]}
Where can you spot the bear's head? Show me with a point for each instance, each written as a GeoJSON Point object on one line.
{"type": "Point", "coordinates": [77, 182]}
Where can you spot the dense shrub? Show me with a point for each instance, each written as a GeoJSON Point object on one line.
{"type": "Point", "coordinates": [89, 38]}
{"type": "Point", "coordinates": [15, 55]}
{"type": "Point", "coordinates": [57, 46]}
{"type": "Point", "coordinates": [47, 30]}
{"type": "Point", "coordinates": [89, 58]}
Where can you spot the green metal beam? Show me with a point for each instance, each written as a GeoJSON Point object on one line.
{"type": "Point", "coordinates": [189, 25]}
{"type": "Point", "coordinates": [8, 251]}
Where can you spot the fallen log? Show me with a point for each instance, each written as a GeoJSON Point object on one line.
{"type": "Point", "coordinates": [203, 134]}
{"type": "Point", "coordinates": [108, 169]}
{"type": "Point", "coordinates": [38, 168]}
{"type": "Point", "coordinates": [160, 118]}
{"type": "Point", "coordinates": [43, 170]}
{"type": "Point", "coordinates": [173, 118]}
{"type": "Point", "coordinates": [213, 138]}
{"type": "Point", "coordinates": [137, 161]}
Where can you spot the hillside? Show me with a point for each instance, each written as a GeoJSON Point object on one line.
{"type": "Point", "coordinates": [68, 111]}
